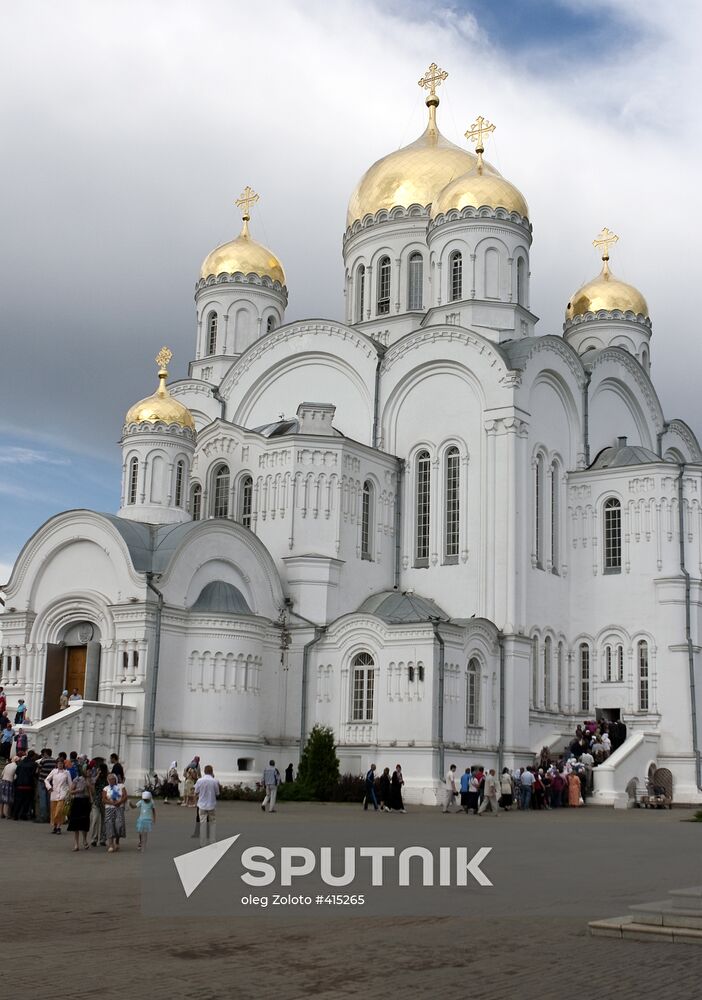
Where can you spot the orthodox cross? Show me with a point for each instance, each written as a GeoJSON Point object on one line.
{"type": "Point", "coordinates": [477, 132]}
{"type": "Point", "coordinates": [163, 357]}
{"type": "Point", "coordinates": [246, 199]}
{"type": "Point", "coordinates": [605, 240]}
{"type": "Point", "coordinates": [432, 79]}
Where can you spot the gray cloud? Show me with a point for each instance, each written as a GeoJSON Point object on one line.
{"type": "Point", "coordinates": [129, 130]}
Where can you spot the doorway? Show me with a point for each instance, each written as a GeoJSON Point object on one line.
{"type": "Point", "coordinates": [76, 658]}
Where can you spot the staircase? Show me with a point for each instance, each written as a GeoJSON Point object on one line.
{"type": "Point", "coordinates": [90, 727]}
{"type": "Point", "coordinates": [677, 920]}
{"type": "Point", "coordinates": [628, 764]}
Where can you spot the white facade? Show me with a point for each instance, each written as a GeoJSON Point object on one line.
{"type": "Point", "coordinates": [464, 538]}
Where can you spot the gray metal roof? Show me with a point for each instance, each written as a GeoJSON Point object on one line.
{"type": "Point", "coordinates": [219, 597]}
{"type": "Point", "coordinates": [151, 546]}
{"type": "Point", "coordinates": [622, 454]}
{"type": "Point", "coordinates": [397, 608]}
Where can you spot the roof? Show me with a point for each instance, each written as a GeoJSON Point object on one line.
{"type": "Point", "coordinates": [398, 608]}
{"type": "Point", "coordinates": [151, 546]}
{"type": "Point", "coordinates": [219, 597]}
{"type": "Point", "coordinates": [621, 455]}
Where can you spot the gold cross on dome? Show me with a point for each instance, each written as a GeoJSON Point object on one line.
{"type": "Point", "coordinates": [163, 357]}
{"type": "Point", "coordinates": [605, 240]}
{"type": "Point", "coordinates": [432, 79]}
{"type": "Point", "coordinates": [246, 199]}
{"type": "Point", "coordinates": [480, 128]}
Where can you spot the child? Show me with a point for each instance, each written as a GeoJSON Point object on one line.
{"type": "Point", "coordinates": [189, 789]}
{"type": "Point", "coordinates": [145, 819]}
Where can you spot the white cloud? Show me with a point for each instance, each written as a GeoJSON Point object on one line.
{"type": "Point", "coordinates": [14, 455]}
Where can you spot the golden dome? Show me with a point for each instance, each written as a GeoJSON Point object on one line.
{"type": "Point", "coordinates": [413, 175]}
{"type": "Point", "coordinates": [243, 254]}
{"type": "Point", "coordinates": [605, 291]}
{"type": "Point", "coordinates": [161, 407]}
{"type": "Point", "coordinates": [478, 187]}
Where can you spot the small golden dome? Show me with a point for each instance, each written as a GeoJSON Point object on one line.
{"type": "Point", "coordinates": [413, 175]}
{"type": "Point", "coordinates": [479, 187]}
{"type": "Point", "coordinates": [243, 254]}
{"type": "Point", "coordinates": [161, 407]}
{"type": "Point", "coordinates": [605, 291]}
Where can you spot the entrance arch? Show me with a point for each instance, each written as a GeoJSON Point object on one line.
{"type": "Point", "coordinates": [72, 663]}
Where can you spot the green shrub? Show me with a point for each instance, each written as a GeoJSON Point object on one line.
{"type": "Point", "coordinates": [318, 772]}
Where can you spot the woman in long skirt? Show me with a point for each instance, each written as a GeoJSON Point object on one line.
{"type": "Point", "coordinates": [7, 788]}
{"type": "Point", "coordinates": [114, 796]}
{"type": "Point", "coordinates": [397, 781]}
{"type": "Point", "coordinates": [79, 815]}
{"type": "Point", "coordinates": [573, 789]}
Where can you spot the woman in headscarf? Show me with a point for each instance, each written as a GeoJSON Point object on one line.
{"type": "Point", "coordinates": [114, 797]}
{"type": "Point", "coordinates": [79, 815]}
{"type": "Point", "coordinates": [58, 782]}
{"type": "Point", "coordinates": [63, 701]}
{"type": "Point", "coordinates": [397, 781]}
{"type": "Point", "coordinates": [573, 789]}
{"type": "Point", "coordinates": [171, 789]}
{"type": "Point", "coordinates": [506, 789]}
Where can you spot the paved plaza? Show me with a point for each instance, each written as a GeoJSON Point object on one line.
{"type": "Point", "coordinates": [528, 938]}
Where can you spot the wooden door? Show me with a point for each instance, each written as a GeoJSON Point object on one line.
{"type": "Point", "coordinates": [53, 678]}
{"type": "Point", "coordinates": [75, 669]}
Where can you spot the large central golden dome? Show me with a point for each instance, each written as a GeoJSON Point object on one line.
{"type": "Point", "coordinates": [413, 175]}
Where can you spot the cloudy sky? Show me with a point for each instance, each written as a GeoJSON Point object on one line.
{"type": "Point", "coordinates": [130, 127]}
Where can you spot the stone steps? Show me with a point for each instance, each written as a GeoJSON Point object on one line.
{"type": "Point", "coordinates": [677, 920]}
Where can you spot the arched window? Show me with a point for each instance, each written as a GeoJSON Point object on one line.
{"type": "Point", "coordinates": [608, 673]}
{"type": "Point", "coordinates": [360, 292]}
{"type": "Point", "coordinates": [555, 516]}
{"type": "Point", "coordinates": [423, 508]}
{"type": "Point", "coordinates": [547, 672]}
{"type": "Point", "coordinates": [133, 481]}
{"type": "Point", "coordinates": [363, 705]}
{"type": "Point", "coordinates": [535, 671]}
{"type": "Point", "coordinates": [521, 281]}
{"type": "Point", "coordinates": [383, 303]}
{"type": "Point", "coordinates": [612, 536]}
{"type": "Point", "coordinates": [415, 280]}
{"type": "Point", "coordinates": [367, 520]}
{"type": "Point", "coordinates": [270, 324]}
{"type": "Point", "coordinates": [212, 333]}
{"type": "Point", "coordinates": [179, 477]}
{"type": "Point", "coordinates": [220, 507]}
{"type": "Point", "coordinates": [245, 501]}
{"type": "Point", "coordinates": [644, 359]}
{"type": "Point", "coordinates": [492, 274]}
{"type": "Point", "coordinates": [643, 675]}
{"type": "Point", "coordinates": [473, 693]}
{"type": "Point", "coordinates": [539, 511]}
{"type": "Point", "coordinates": [620, 663]}
{"type": "Point", "coordinates": [452, 466]}
{"type": "Point", "coordinates": [196, 502]}
{"type": "Point", "coordinates": [584, 677]}
{"type": "Point", "coordinates": [455, 276]}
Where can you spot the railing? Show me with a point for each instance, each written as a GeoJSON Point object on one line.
{"type": "Point", "coordinates": [90, 727]}
{"type": "Point", "coordinates": [629, 762]}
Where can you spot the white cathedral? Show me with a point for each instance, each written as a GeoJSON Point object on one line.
{"type": "Point", "coordinates": [442, 534]}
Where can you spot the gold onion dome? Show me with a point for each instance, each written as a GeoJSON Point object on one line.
{"type": "Point", "coordinates": [415, 174]}
{"type": "Point", "coordinates": [605, 291]}
{"type": "Point", "coordinates": [161, 407]}
{"type": "Point", "coordinates": [243, 254]}
{"type": "Point", "coordinates": [482, 184]}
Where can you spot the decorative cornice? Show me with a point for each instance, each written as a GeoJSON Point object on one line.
{"type": "Point", "coordinates": [145, 428]}
{"type": "Point", "coordinates": [608, 315]}
{"type": "Point", "coordinates": [243, 279]}
{"type": "Point", "coordinates": [680, 428]}
{"type": "Point", "coordinates": [484, 212]}
{"type": "Point", "coordinates": [451, 333]}
{"type": "Point", "coordinates": [558, 346]}
{"type": "Point", "coordinates": [621, 356]}
{"type": "Point", "coordinates": [396, 214]}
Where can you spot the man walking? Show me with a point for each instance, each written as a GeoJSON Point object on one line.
{"type": "Point", "coordinates": [271, 780]}
{"type": "Point", "coordinates": [207, 790]}
{"type": "Point", "coordinates": [46, 766]}
{"type": "Point", "coordinates": [451, 789]}
{"type": "Point", "coordinates": [491, 797]}
{"type": "Point", "coordinates": [370, 789]}
{"type": "Point", "coordinates": [527, 784]}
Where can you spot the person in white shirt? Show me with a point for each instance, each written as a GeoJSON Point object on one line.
{"type": "Point", "coordinates": [75, 697]}
{"type": "Point", "coordinates": [271, 780]}
{"type": "Point", "coordinates": [492, 792]}
{"type": "Point", "coordinates": [451, 790]}
{"type": "Point", "coordinates": [207, 790]}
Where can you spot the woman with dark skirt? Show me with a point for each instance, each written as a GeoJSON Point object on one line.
{"type": "Point", "coordinates": [384, 790]}
{"type": "Point", "coordinates": [396, 803]}
{"type": "Point", "coordinates": [506, 789]}
{"type": "Point", "coordinates": [79, 815]}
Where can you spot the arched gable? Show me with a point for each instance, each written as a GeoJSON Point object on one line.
{"type": "Point", "coordinates": [336, 364]}
{"type": "Point", "coordinates": [622, 401]}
